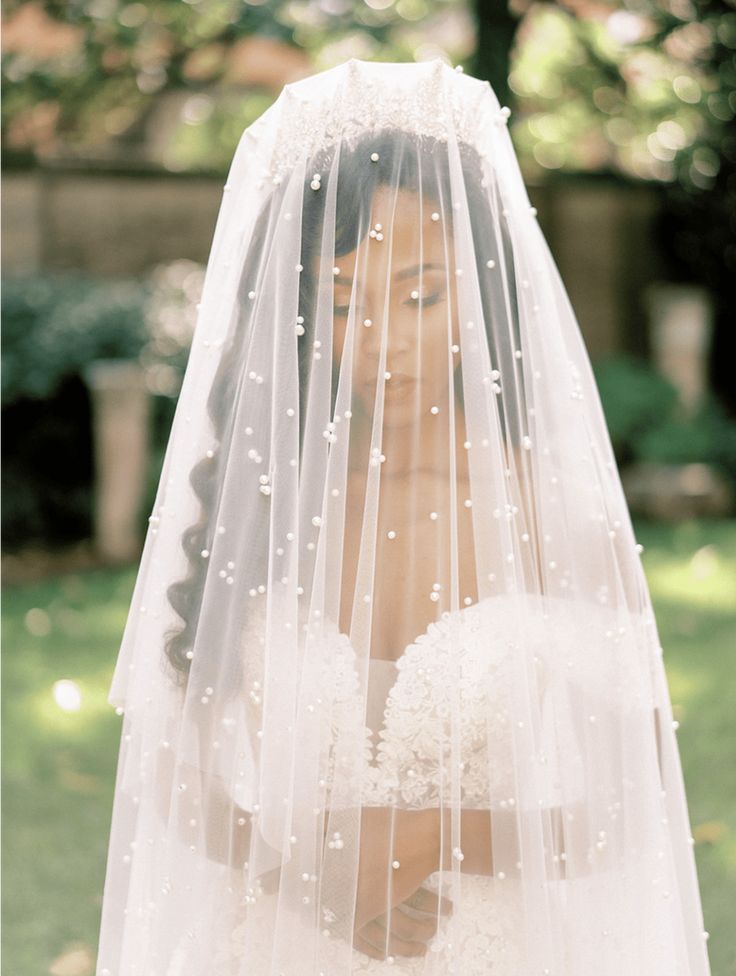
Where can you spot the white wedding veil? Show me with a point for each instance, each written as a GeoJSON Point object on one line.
{"type": "Point", "coordinates": [393, 693]}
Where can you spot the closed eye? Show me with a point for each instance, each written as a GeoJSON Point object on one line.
{"type": "Point", "coordinates": [432, 299]}
{"type": "Point", "coordinates": [427, 300]}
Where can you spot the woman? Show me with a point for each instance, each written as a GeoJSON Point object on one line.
{"type": "Point", "coordinates": [394, 698]}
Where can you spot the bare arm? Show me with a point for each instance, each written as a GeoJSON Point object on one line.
{"type": "Point", "coordinates": [227, 825]}
{"type": "Point", "coordinates": [422, 834]}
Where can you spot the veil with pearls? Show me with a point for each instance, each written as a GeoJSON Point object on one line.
{"type": "Point", "coordinates": [393, 693]}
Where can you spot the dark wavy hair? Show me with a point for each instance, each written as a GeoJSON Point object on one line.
{"type": "Point", "coordinates": [417, 163]}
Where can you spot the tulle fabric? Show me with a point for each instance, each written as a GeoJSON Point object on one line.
{"type": "Point", "coordinates": [390, 576]}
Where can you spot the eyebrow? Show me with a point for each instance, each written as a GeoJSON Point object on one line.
{"type": "Point", "coordinates": [398, 275]}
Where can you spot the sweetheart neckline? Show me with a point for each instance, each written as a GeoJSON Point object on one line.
{"type": "Point", "coordinates": [444, 618]}
{"type": "Point", "coordinates": [380, 733]}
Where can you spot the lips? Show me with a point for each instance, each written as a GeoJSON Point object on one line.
{"type": "Point", "coordinates": [399, 382]}
{"type": "Point", "coordinates": [396, 379]}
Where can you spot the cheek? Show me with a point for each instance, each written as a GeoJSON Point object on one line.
{"type": "Point", "coordinates": [339, 336]}
{"type": "Point", "coordinates": [359, 369]}
{"type": "Point", "coordinates": [435, 345]}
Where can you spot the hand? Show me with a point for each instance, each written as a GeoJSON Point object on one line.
{"type": "Point", "coordinates": [413, 923]}
{"type": "Point", "coordinates": [409, 923]}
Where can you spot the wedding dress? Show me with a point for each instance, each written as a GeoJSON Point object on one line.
{"type": "Point", "coordinates": [394, 699]}
{"type": "Point", "coordinates": [405, 699]}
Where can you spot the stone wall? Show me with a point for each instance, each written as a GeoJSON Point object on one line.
{"type": "Point", "coordinates": [122, 223]}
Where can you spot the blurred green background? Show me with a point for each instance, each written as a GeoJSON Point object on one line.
{"type": "Point", "coordinates": [61, 738]}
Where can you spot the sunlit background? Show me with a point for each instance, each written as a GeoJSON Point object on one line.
{"type": "Point", "coordinates": [119, 123]}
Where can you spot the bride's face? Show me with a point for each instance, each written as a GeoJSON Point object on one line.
{"type": "Point", "coordinates": [415, 300]}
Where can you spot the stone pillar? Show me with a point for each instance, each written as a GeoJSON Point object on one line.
{"type": "Point", "coordinates": [120, 418]}
{"type": "Point", "coordinates": [681, 324]}
{"type": "Point", "coordinates": [681, 321]}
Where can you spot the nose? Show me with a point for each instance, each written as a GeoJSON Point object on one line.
{"type": "Point", "coordinates": [399, 340]}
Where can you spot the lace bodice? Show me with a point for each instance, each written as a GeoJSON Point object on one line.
{"type": "Point", "coordinates": [465, 675]}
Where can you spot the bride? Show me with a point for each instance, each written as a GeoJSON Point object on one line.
{"type": "Point", "coordinates": [393, 692]}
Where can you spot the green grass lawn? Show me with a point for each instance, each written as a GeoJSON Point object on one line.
{"type": "Point", "coordinates": [59, 766]}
